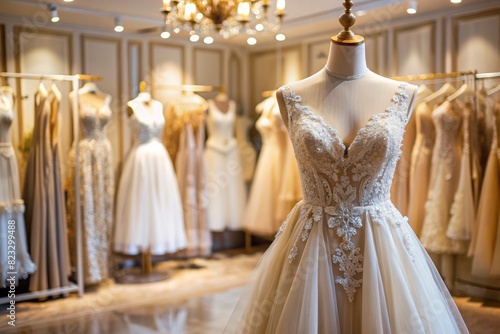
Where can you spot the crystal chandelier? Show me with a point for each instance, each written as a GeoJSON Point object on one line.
{"type": "Point", "coordinates": [228, 18]}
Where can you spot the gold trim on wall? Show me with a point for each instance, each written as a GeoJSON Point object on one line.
{"type": "Point", "coordinates": [117, 42]}
{"type": "Point", "coordinates": [138, 44]}
{"type": "Point", "coordinates": [397, 31]}
{"type": "Point", "coordinates": [455, 23]}
{"type": "Point", "coordinates": [18, 30]}
{"type": "Point", "coordinates": [151, 60]}
{"type": "Point", "coordinates": [221, 64]}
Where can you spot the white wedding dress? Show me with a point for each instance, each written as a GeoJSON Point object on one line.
{"type": "Point", "coordinates": [346, 260]}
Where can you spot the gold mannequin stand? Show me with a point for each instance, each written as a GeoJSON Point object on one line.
{"type": "Point", "coordinates": [145, 274]}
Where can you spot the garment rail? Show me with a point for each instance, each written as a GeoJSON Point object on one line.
{"type": "Point", "coordinates": [75, 85]}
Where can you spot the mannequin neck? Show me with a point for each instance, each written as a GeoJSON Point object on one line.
{"type": "Point", "coordinates": [346, 61]}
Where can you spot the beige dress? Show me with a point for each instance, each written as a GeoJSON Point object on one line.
{"type": "Point", "coordinates": [486, 244]}
{"type": "Point", "coordinates": [420, 172]}
{"type": "Point", "coordinates": [445, 172]}
{"type": "Point", "coordinates": [248, 155]}
{"type": "Point", "coordinates": [184, 137]}
{"type": "Point", "coordinates": [260, 212]}
{"type": "Point", "coordinates": [44, 199]}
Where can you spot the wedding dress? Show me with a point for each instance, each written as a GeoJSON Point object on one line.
{"type": "Point", "coordinates": [149, 213]}
{"type": "Point", "coordinates": [96, 175]}
{"type": "Point", "coordinates": [345, 260]}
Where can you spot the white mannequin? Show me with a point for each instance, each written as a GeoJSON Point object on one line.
{"type": "Point", "coordinates": [346, 93]}
{"type": "Point", "coordinates": [143, 101]}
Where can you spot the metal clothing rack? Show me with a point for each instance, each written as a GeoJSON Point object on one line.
{"type": "Point", "coordinates": [75, 84]}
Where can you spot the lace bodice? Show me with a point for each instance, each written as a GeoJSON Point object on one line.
{"type": "Point", "coordinates": [147, 124]}
{"type": "Point", "coordinates": [334, 175]}
{"type": "Point", "coordinates": [93, 120]}
{"type": "Point", "coordinates": [448, 124]}
{"type": "Point", "coordinates": [340, 183]}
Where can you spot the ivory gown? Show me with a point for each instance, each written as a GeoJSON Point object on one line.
{"type": "Point", "coordinates": [226, 192]}
{"type": "Point", "coordinates": [346, 260]}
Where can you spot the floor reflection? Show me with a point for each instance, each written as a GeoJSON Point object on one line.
{"type": "Point", "coordinates": [202, 315]}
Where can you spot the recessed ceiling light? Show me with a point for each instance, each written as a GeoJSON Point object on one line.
{"type": "Point", "coordinates": [118, 24]}
{"type": "Point", "coordinates": [259, 27]}
{"type": "Point", "coordinates": [208, 40]}
{"type": "Point", "coordinates": [194, 38]}
{"type": "Point", "coordinates": [280, 37]}
{"type": "Point", "coordinates": [412, 7]}
{"type": "Point", "coordinates": [455, 1]}
{"type": "Point", "coordinates": [251, 41]}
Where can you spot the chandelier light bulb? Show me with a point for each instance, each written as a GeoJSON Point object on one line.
{"type": "Point", "coordinates": [190, 11]}
{"type": "Point", "coordinates": [251, 41]}
{"type": "Point", "coordinates": [177, 30]}
{"type": "Point", "coordinates": [412, 7]}
{"type": "Point", "coordinates": [208, 40]}
{"type": "Point", "coordinates": [280, 7]}
{"type": "Point", "coordinates": [244, 10]}
{"type": "Point", "coordinates": [118, 24]}
{"type": "Point", "coordinates": [280, 37]}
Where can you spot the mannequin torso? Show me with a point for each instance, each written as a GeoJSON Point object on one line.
{"type": "Point", "coordinates": [346, 93]}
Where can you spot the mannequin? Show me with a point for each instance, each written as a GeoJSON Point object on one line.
{"type": "Point", "coordinates": [347, 84]}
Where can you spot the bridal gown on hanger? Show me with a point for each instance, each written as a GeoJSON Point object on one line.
{"type": "Point", "coordinates": [226, 191]}
{"type": "Point", "coordinates": [96, 176]}
{"type": "Point", "coordinates": [445, 173]}
{"type": "Point", "coordinates": [346, 260]}
{"type": "Point", "coordinates": [148, 206]}
{"type": "Point", "coordinates": [11, 204]}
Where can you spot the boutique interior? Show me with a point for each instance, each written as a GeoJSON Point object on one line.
{"type": "Point", "coordinates": [145, 167]}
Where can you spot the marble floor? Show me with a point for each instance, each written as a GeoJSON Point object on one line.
{"type": "Point", "coordinates": [190, 302]}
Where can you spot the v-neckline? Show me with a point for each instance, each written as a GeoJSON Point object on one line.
{"type": "Point", "coordinates": [346, 149]}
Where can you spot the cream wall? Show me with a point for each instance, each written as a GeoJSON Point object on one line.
{"type": "Point", "coordinates": [463, 40]}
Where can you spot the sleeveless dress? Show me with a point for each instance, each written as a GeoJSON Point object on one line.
{"type": "Point", "coordinates": [445, 173]}
{"type": "Point", "coordinates": [95, 167]}
{"type": "Point", "coordinates": [11, 204]}
{"type": "Point", "coordinates": [226, 186]}
{"type": "Point", "coordinates": [420, 171]}
{"type": "Point", "coordinates": [43, 196]}
{"type": "Point", "coordinates": [248, 155]}
{"type": "Point", "coordinates": [346, 260]}
{"type": "Point", "coordinates": [148, 214]}
{"type": "Point", "coordinates": [260, 212]}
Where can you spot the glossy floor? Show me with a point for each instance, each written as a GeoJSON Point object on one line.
{"type": "Point", "coordinates": [190, 302]}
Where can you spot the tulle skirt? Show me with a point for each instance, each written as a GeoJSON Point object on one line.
{"type": "Point", "coordinates": [294, 289]}
{"type": "Point", "coordinates": [148, 206]}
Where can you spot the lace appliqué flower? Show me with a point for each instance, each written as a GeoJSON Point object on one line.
{"type": "Point", "coordinates": [407, 242]}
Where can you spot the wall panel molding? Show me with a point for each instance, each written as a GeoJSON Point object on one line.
{"type": "Point", "coordinates": [170, 70]}
{"type": "Point", "coordinates": [3, 49]}
{"type": "Point", "coordinates": [199, 66]}
{"type": "Point", "coordinates": [457, 21]}
{"type": "Point", "coordinates": [131, 45]}
{"type": "Point", "coordinates": [429, 66]}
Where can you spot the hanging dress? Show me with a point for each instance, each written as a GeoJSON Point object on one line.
{"type": "Point", "coordinates": [148, 214]}
{"type": "Point", "coordinates": [12, 259]}
{"type": "Point", "coordinates": [420, 172]}
{"type": "Point", "coordinates": [248, 155]}
{"type": "Point", "coordinates": [260, 212]}
{"type": "Point", "coordinates": [486, 241]}
{"type": "Point", "coordinates": [96, 176]}
{"type": "Point", "coordinates": [445, 172]}
{"type": "Point", "coordinates": [226, 186]}
{"type": "Point", "coordinates": [44, 198]}
{"type": "Point", "coordinates": [184, 137]}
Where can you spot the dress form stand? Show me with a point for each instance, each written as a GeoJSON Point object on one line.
{"type": "Point", "coordinates": [144, 274]}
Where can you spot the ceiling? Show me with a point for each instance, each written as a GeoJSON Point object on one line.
{"type": "Point", "coordinates": [303, 18]}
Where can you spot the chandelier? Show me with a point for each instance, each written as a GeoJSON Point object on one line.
{"type": "Point", "coordinates": [227, 18]}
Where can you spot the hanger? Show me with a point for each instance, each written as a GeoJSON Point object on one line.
{"type": "Point", "coordinates": [464, 91]}
{"type": "Point", "coordinates": [440, 94]}
{"type": "Point", "coordinates": [89, 87]}
{"type": "Point", "coordinates": [493, 91]}
{"type": "Point", "coordinates": [423, 92]}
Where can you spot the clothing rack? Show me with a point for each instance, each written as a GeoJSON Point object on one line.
{"type": "Point", "coordinates": [191, 88]}
{"type": "Point", "coordinates": [75, 85]}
